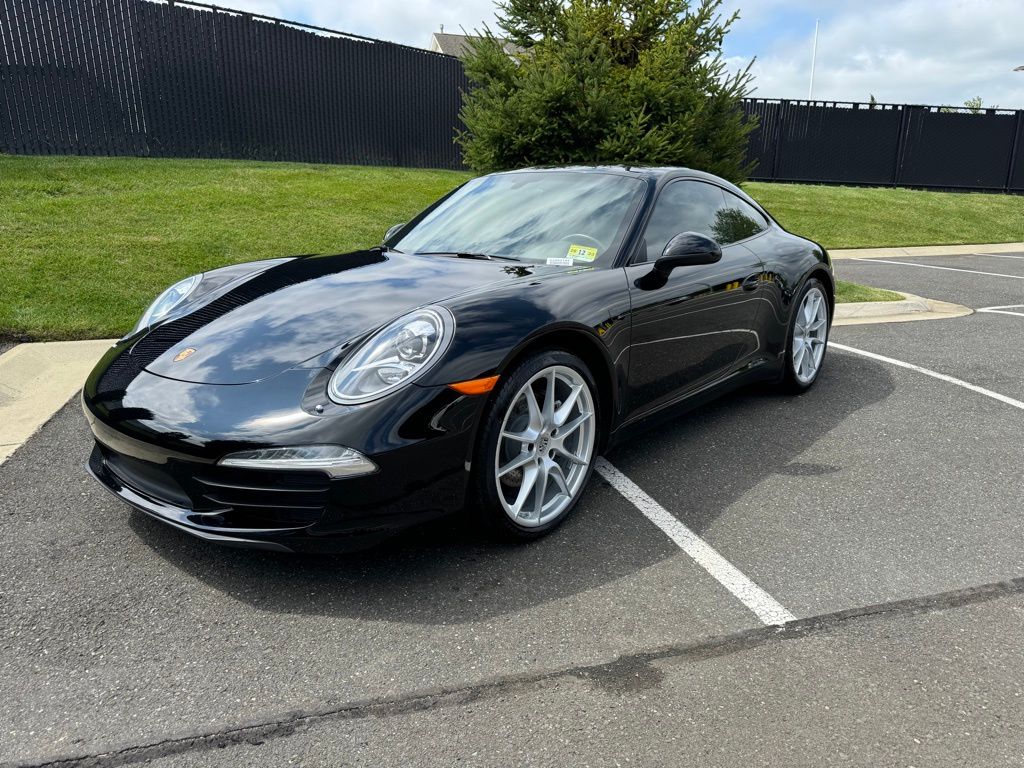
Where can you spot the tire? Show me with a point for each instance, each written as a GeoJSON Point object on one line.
{"type": "Point", "coordinates": [527, 443]}
{"type": "Point", "coordinates": [807, 326]}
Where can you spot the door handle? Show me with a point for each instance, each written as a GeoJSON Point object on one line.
{"type": "Point", "coordinates": [751, 282]}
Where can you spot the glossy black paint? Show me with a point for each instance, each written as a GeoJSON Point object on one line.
{"type": "Point", "coordinates": [689, 249]}
{"type": "Point", "coordinates": [267, 343]}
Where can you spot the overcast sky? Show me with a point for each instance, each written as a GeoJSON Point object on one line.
{"type": "Point", "coordinates": [918, 51]}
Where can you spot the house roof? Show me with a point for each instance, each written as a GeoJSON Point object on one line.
{"type": "Point", "coordinates": [458, 45]}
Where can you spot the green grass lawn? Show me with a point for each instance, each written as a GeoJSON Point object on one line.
{"type": "Point", "coordinates": [87, 243]}
{"type": "Point", "coordinates": [863, 217]}
{"type": "Point", "coordinates": [847, 292]}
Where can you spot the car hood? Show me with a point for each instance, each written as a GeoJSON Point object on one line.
{"type": "Point", "coordinates": [300, 309]}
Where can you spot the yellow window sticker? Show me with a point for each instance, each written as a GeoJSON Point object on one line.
{"type": "Point", "coordinates": [582, 252]}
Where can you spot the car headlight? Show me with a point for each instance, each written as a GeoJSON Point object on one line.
{"type": "Point", "coordinates": [167, 301]}
{"type": "Point", "coordinates": [393, 357]}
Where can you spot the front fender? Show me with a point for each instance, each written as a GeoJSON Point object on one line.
{"type": "Point", "coordinates": [492, 327]}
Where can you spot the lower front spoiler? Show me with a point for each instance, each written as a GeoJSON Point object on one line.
{"type": "Point", "coordinates": [178, 517]}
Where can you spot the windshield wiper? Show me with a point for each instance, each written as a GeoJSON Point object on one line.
{"type": "Point", "coordinates": [465, 255]}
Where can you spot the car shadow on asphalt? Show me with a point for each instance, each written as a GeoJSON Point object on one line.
{"type": "Point", "coordinates": [448, 573]}
{"type": "Point", "coordinates": [735, 443]}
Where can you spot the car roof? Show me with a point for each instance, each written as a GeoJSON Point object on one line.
{"type": "Point", "coordinates": [653, 173]}
{"type": "Point", "coordinates": [647, 171]}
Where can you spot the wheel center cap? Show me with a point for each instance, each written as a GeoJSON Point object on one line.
{"type": "Point", "coordinates": [542, 444]}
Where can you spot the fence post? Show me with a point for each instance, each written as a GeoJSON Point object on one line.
{"type": "Point", "coordinates": [1018, 124]}
{"type": "Point", "coordinates": [778, 139]}
{"type": "Point", "coordinates": [901, 144]}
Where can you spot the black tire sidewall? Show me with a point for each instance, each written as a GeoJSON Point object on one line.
{"type": "Point", "coordinates": [489, 509]}
{"type": "Point", "coordinates": [790, 380]}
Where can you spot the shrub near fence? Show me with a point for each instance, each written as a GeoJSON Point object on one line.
{"type": "Point", "coordinates": [165, 79]}
{"type": "Point", "coordinates": [176, 79]}
{"type": "Point", "coordinates": [887, 145]}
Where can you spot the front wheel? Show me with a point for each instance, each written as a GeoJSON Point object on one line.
{"type": "Point", "coordinates": [537, 449]}
{"type": "Point", "coordinates": [808, 337]}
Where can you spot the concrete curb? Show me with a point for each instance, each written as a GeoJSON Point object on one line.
{"type": "Point", "coordinates": [911, 308]}
{"type": "Point", "coordinates": [925, 250]}
{"type": "Point", "coordinates": [36, 380]}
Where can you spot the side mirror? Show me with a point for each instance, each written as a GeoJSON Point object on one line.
{"type": "Point", "coordinates": [686, 250]}
{"type": "Point", "coordinates": [393, 231]}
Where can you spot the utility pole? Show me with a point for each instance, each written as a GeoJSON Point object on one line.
{"type": "Point", "coordinates": [814, 57]}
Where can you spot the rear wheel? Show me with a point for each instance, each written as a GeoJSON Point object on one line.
{"type": "Point", "coordinates": [808, 337]}
{"type": "Point", "coordinates": [538, 445]}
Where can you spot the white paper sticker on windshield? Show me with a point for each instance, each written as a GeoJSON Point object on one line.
{"type": "Point", "coordinates": [582, 252]}
{"type": "Point", "coordinates": [559, 261]}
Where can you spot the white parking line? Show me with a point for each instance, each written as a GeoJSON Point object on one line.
{"type": "Point", "coordinates": [947, 269]}
{"type": "Point", "coordinates": [933, 374]}
{"type": "Point", "coordinates": [764, 606]}
{"type": "Point", "coordinates": [999, 255]}
{"type": "Point", "coordinates": [1004, 310]}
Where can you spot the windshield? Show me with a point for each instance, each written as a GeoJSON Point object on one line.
{"type": "Point", "coordinates": [549, 217]}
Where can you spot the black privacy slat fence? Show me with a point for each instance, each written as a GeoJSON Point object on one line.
{"type": "Point", "coordinates": [165, 79]}
{"type": "Point", "coordinates": [887, 145]}
{"type": "Point", "coordinates": [168, 78]}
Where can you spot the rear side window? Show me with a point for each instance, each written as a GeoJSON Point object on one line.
{"type": "Point", "coordinates": [683, 206]}
{"type": "Point", "coordinates": [742, 220]}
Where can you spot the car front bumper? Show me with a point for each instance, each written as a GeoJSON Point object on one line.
{"type": "Point", "coordinates": [182, 518]}
{"type": "Point", "coordinates": [159, 441]}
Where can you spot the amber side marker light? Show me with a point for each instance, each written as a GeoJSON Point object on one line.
{"type": "Point", "coordinates": [475, 386]}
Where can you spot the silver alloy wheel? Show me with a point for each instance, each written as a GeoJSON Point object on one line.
{"type": "Point", "coordinates": [545, 446]}
{"type": "Point", "coordinates": [810, 335]}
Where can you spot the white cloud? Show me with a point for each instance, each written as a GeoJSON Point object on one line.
{"type": "Point", "coordinates": [410, 22]}
{"type": "Point", "coordinates": [920, 51]}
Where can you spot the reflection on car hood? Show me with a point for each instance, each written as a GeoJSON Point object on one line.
{"type": "Point", "coordinates": [297, 310]}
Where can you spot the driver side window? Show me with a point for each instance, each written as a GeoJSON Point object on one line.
{"type": "Point", "coordinates": [682, 206]}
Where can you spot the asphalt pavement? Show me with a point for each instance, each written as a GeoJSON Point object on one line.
{"type": "Point", "coordinates": [881, 509]}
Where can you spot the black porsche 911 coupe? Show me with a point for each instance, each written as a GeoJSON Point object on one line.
{"type": "Point", "coordinates": [479, 359]}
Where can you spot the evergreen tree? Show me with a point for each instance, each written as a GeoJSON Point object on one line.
{"type": "Point", "coordinates": [606, 81]}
